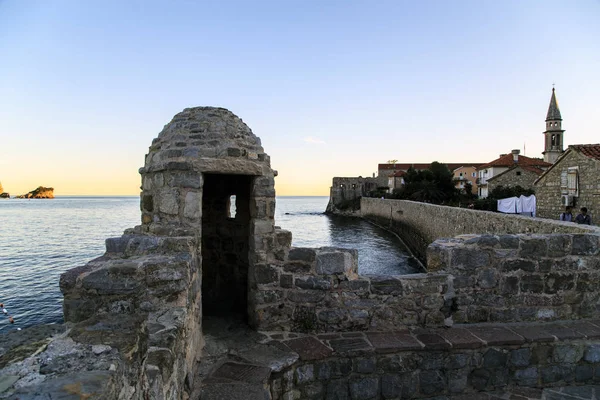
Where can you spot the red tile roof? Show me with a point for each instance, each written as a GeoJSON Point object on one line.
{"type": "Point", "coordinates": [398, 174]}
{"type": "Point", "coordinates": [588, 150]}
{"type": "Point", "coordinates": [507, 161]}
{"type": "Point", "coordinates": [421, 166]}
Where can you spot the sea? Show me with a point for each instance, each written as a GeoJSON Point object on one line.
{"type": "Point", "coordinates": [41, 239]}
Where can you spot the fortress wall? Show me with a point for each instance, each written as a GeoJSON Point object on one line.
{"type": "Point", "coordinates": [515, 278]}
{"type": "Point", "coordinates": [419, 224]}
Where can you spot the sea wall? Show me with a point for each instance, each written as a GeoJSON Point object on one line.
{"type": "Point", "coordinates": [419, 224]}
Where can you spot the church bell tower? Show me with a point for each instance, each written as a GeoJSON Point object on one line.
{"type": "Point", "coordinates": [554, 133]}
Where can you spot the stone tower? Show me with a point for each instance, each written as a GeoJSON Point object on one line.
{"type": "Point", "coordinates": [553, 147]}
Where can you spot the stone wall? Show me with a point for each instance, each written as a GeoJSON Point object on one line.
{"type": "Point", "coordinates": [513, 177]}
{"type": "Point", "coordinates": [318, 290]}
{"type": "Point", "coordinates": [419, 224]}
{"type": "Point", "coordinates": [548, 188]}
{"type": "Point", "coordinates": [142, 298]}
{"type": "Point", "coordinates": [345, 192]}
{"type": "Point", "coordinates": [512, 278]}
{"type": "Point", "coordinates": [465, 363]}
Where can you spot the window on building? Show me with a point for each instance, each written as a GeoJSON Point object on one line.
{"type": "Point", "coordinates": [474, 174]}
{"type": "Point", "coordinates": [573, 181]}
{"type": "Point", "coordinates": [518, 173]}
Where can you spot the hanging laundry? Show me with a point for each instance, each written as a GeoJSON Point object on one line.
{"type": "Point", "coordinates": [508, 205]}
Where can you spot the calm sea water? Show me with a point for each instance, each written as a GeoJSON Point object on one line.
{"type": "Point", "coordinates": [40, 239]}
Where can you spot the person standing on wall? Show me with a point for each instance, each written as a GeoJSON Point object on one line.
{"type": "Point", "coordinates": [583, 217]}
{"type": "Point", "coordinates": [567, 215]}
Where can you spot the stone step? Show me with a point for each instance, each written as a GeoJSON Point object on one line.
{"type": "Point", "coordinates": [235, 391]}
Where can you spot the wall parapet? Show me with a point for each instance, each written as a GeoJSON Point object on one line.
{"type": "Point", "coordinates": [419, 224]}
{"type": "Point", "coordinates": [511, 278]}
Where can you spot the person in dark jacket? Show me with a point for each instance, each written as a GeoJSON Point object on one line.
{"type": "Point", "coordinates": [583, 217]}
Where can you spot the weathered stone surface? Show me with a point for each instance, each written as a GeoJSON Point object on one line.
{"type": "Point", "coordinates": [386, 342]}
{"type": "Point", "coordinates": [309, 348]}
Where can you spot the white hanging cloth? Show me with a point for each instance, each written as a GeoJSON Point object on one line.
{"type": "Point", "coordinates": [508, 206]}
{"type": "Point", "coordinates": [527, 205]}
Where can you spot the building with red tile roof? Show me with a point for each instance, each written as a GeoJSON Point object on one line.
{"type": "Point", "coordinates": [508, 170]}
{"type": "Point", "coordinates": [574, 179]}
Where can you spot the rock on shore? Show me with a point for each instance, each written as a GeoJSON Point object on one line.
{"type": "Point", "coordinates": [39, 193]}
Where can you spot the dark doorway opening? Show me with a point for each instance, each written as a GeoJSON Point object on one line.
{"type": "Point", "coordinates": [225, 244]}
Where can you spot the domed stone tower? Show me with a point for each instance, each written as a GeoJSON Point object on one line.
{"type": "Point", "coordinates": [206, 175]}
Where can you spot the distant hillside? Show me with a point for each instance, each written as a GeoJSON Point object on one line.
{"type": "Point", "coordinates": [39, 193]}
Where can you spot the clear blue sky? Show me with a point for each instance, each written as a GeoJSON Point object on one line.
{"type": "Point", "coordinates": [332, 87]}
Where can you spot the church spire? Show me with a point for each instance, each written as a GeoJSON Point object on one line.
{"type": "Point", "coordinates": [553, 110]}
{"type": "Point", "coordinates": [553, 146]}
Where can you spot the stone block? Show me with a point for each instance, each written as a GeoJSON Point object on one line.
{"type": "Point", "coordinates": [487, 279]}
{"type": "Point", "coordinates": [495, 359]}
{"type": "Point", "coordinates": [193, 205]}
{"type": "Point", "coordinates": [286, 280]}
{"type": "Point", "coordinates": [387, 285]}
{"type": "Point", "coordinates": [333, 263]}
{"type": "Point", "coordinates": [592, 353]}
{"type": "Point", "coordinates": [557, 373]}
{"type": "Point", "coordinates": [283, 238]}
{"type": "Point", "coordinates": [386, 342]}
{"type": "Point", "coordinates": [520, 357]}
{"type": "Point", "coordinates": [399, 386]}
{"type": "Point", "coordinates": [585, 245]}
{"type": "Point", "coordinates": [432, 382]}
{"type": "Point", "coordinates": [559, 245]}
{"type": "Point", "coordinates": [265, 274]}
{"type": "Point", "coordinates": [527, 376]}
{"type": "Point", "coordinates": [168, 202]}
{"type": "Point", "coordinates": [331, 316]}
{"type": "Point", "coordinates": [304, 374]}
{"type": "Point", "coordinates": [337, 390]}
{"type": "Point", "coordinates": [309, 348]}
{"type": "Point", "coordinates": [457, 381]}
{"type": "Point", "coordinates": [559, 282]}
{"type": "Point", "coordinates": [568, 354]}
{"type": "Point", "coordinates": [364, 388]}
{"type": "Point", "coordinates": [187, 180]}
{"type": "Point", "coordinates": [508, 241]}
{"type": "Point", "coordinates": [584, 373]}
{"type": "Point", "coordinates": [302, 254]}
{"type": "Point", "coordinates": [469, 258]}
{"type": "Point", "coordinates": [532, 284]}
{"type": "Point", "coordinates": [364, 365]}
{"type": "Point", "coordinates": [313, 282]}
{"type": "Point", "coordinates": [518, 265]}
{"type": "Point", "coordinates": [457, 360]}
{"type": "Point", "coordinates": [533, 247]}
{"type": "Point", "coordinates": [297, 267]}
{"type": "Point", "coordinates": [306, 296]}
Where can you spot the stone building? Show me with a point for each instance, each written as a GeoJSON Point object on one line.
{"type": "Point", "coordinates": [574, 179]}
{"type": "Point", "coordinates": [345, 193]}
{"type": "Point", "coordinates": [518, 175]}
{"type": "Point", "coordinates": [489, 175]}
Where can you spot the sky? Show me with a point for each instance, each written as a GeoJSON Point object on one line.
{"type": "Point", "coordinates": [332, 88]}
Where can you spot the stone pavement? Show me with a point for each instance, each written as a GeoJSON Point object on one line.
{"type": "Point", "coordinates": [459, 363]}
